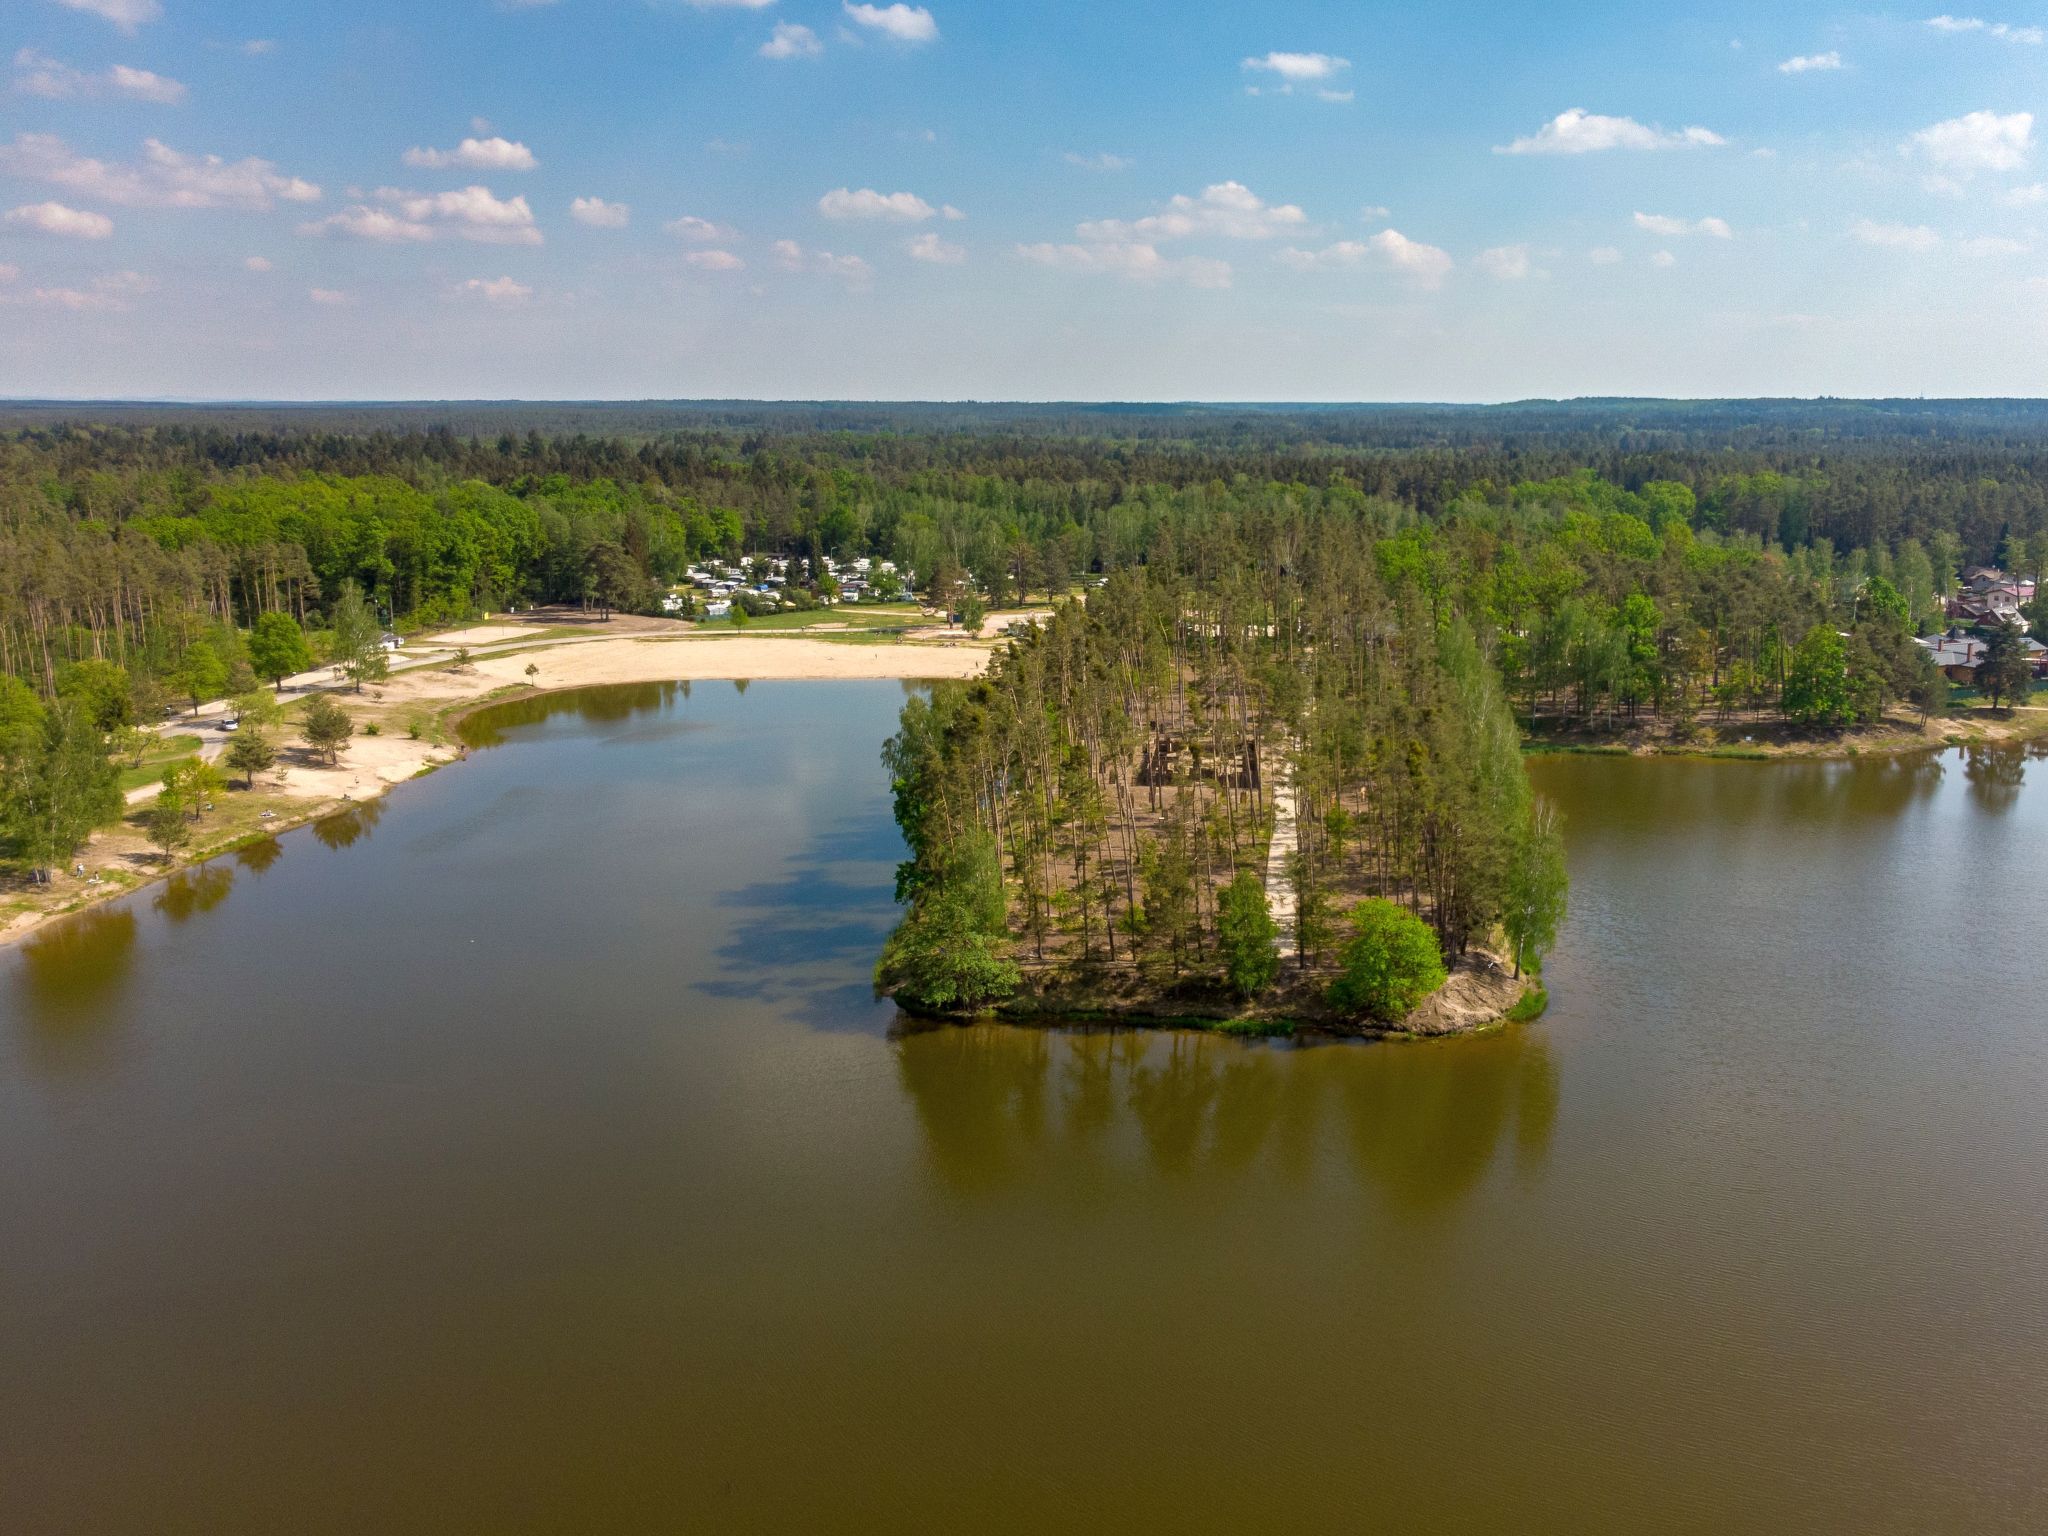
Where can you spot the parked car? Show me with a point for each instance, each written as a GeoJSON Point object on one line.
{"type": "Point", "coordinates": [231, 722]}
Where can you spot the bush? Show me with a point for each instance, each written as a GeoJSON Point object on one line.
{"type": "Point", "coordinates": [938, 960]}
{"type": "Point", "coordinates": [1390, 964]}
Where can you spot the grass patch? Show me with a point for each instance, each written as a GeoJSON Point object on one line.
{"type": "Point", "coordinates": [1529, 1007]}
{"type": "Point", "coordinates": [170, 751]}
{"type": "Point", "coordinates": [1535, 748]}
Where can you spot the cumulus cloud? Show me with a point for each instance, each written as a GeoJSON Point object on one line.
{"type": "Point", "coordinates": [1663, 259]}
{"type": "Point", "coordinates": [714, 261]}
{"type": "Point", "coordinates": [599, 214]}
{"type": "Point", "coordinates": [1102, 160]}
{"type": "Point", "coordinates": [1306, 71]}
{"type": "Point", "coordinates": [164, 178]}
{"type": "Point", "coordinates": [1811, 63]}
{"type": "Point", "coordinates": [125, 14]}
{"type": "Point", "coordinates": [257, 263]}
{"type": "Point", "coordinates": [2005, 32]}
{"type": "Point", "coordinates": [697, 231]}
{"type": "Point", "coordinates": [2027, 196]}
{"type": "Point", "coordinates": [929, 247]}
{"type": "Point", "coordinates": [791, 42]}
{"type": "Point", "coordinates": [329, 297]}
{"type": "Point", "coordinates": [1977, 141]}
{"type": "Point", "coordinates": [900, 207]}
{"type": "Point", "coordinates": [1136, 260]}
{"type": "Point", "coordinates": [37, 74]}
{"type": "Point", "coordinates": [56, 219]}
{"type": "Point", "coordinates": [1903, 237]}
{"type": "Point", "coordinates": [471, 213]}
{"type": "Point", "coordinates": [900, 23]}
{"type": "Point", "coordinates": [496, 290]}
{"type": "Point", "coordinates": [1228, 209]}
{"type": "Point", "coordinates": [851, 270]}
{"type": "Point", "coordinates": [1664, 224]}
{"type": "Point", "coordinates": [1579, 132]}
{"type": "Point", "coordinates": [492, 154]}
{"type": "Point", "coordinates": [1509, 263]}
{"type": "Point", "coordinates": [1427, 265]}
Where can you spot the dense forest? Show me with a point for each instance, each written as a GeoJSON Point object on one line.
{"type": "Point", "coordinates": [1698, 564]}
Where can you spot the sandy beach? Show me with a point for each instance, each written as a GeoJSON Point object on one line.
{"type": "Point", "coordinates": [428, 687]}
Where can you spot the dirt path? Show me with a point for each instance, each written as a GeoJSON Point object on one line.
{"type": "Point", "coordinates": [1279, 853]}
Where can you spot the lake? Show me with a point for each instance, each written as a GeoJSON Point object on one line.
{"type": "Point", "coordinates": [528, 1152]}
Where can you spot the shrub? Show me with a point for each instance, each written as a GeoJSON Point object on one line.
{"type": "Point", "coordinates": [1246, 933]}
{"type": "Point", "coordinates": [1390, 964]}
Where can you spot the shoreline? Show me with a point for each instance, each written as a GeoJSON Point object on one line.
{"type": "Point", "coordinates": [1478, 996]}
{"type": "Point", "coordinates": [438, 696]}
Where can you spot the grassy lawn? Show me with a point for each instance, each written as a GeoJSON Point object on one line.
{"type": "Point", "coordinates": [167, 750]}
{"type": "Point", "coordinates": [879, 616]}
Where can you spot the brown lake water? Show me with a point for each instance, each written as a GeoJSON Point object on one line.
{"type": "Point", "coordinates": [527, 1152]}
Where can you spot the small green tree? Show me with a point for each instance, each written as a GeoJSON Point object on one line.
{"type": "Point", "coordinates": [250, 753]}
{"type": "Point", "coordinates": [1536, 889]}
{"type": "Point", "coordinates": [168, 826]}
{"type": "Point", "coordinates": [101, 689]}
{"type": "Point", "coordinates": [1817, 684]}
{"type": "Point", "coordinates": [201, 673]}
{"type": "Point", "coordinates": [358, 639]}
{"type": "Point", "coordinates": [2006, 673]}
{"type": "Point", "coordinates": [59, 785]}
{"type": "Point", "coordinates": [277, 648]}
{"type": "Point", "coordinates": [1247, 935]}
{"type": "Point", "coordinates": [326, 727]}
{"type": "Point", "coordinates": [1390, 964]}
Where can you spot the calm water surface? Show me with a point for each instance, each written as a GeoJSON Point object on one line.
{"type": "Point", "coordinates": [527, 1153]}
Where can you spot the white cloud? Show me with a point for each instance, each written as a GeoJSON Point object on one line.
{"type": "Point", "coordinates": [929, 247]}
{"type": "Point", "coordinates": [2028, 196]}
{"type": "Point", "coordinates": [714, 261]}
{"type": "Point", "coordinates": [37, 74]}
{"type": "Point", "coordinates": [1428, 265]}
{"type": "Point", "coordinates": [903, 23]}
{"type": "Point", "coordinates": [492, 154]}
{"type": "Point", "coordinates": [851, 270]}
{"type": "Point", "coordinates": [125, 14]}
{"type": "Point", "coordinates": [1664, 224]}
{"type": "Point", "coordinates": [8, 272]}
{"type": "Point", "coordinates": [1579, 132]}
{"type": "Point", "coordinates": [257, 263]}
{"type": "Point", "coordinates": [472, 213]}
{"type": "Point", "coordinates": [165, 178]}
{"type": "Point", "coordinates": [1509, 263]}
{"type": "Point", "coordinates": [791, 42]}
{"type": "Point", "coordinates": [256, 47]}
{"type": "Point", "coordinates": [698, 231]}
{"type": "Point", "coordinates": [1977, 141]}
{"type": "Point", "coordinates": [1228, 209]}
{"type": "Point", "coordinates": [110, 292]}
{"type": "Point", "coordinates": [1604, 255]}
{"type": "Point", "coordinates": [327, 296]}
{"type": "Point", "coordinates": [1136, 260]}
{"type": "Point", "coordinates": [2003, 31]}
{"type": "Point", "coordinates": [715, 5]}
{"type": "Point", "coordinates": [1100, 161]}
{"type": "Point", "coordinates": [901, 207]}
{"type": "Point", "coordinates": [1302, 70]}
{"type": "Point", "coordinates": [1811, 63]}
{"type": "Point", "coordinates": [1663, 259]}
{"type": "Point", "coordinates": [599, 214]}
{"type": "Point", "coordinates": [1992, 245]}
{"type": "Point", "coordinates": [496, 290]}
{"type": "Point", "coordinates": [1904, 237]}
{"type": "Point", "coordinates": [56, 219]}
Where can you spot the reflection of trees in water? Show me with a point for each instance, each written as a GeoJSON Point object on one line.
{"type": "Point", "coordinates": [71, 972]}
{"type": "Point", "coordinates": [609, 703]}
{"type": "Point", "coordinates": [345, 828]}
{"type": "Point", "coordinates": [192, 891]}
{"type": "Point", "coordinates": [1422, 1124]}
{"type": "Point", "coordinates": [1995, 776]}
{"type": "Point", "coordinates": [258, 856]}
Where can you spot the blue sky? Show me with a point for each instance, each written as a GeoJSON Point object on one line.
{"type": "Point", "coordinates": [1064, 200]}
